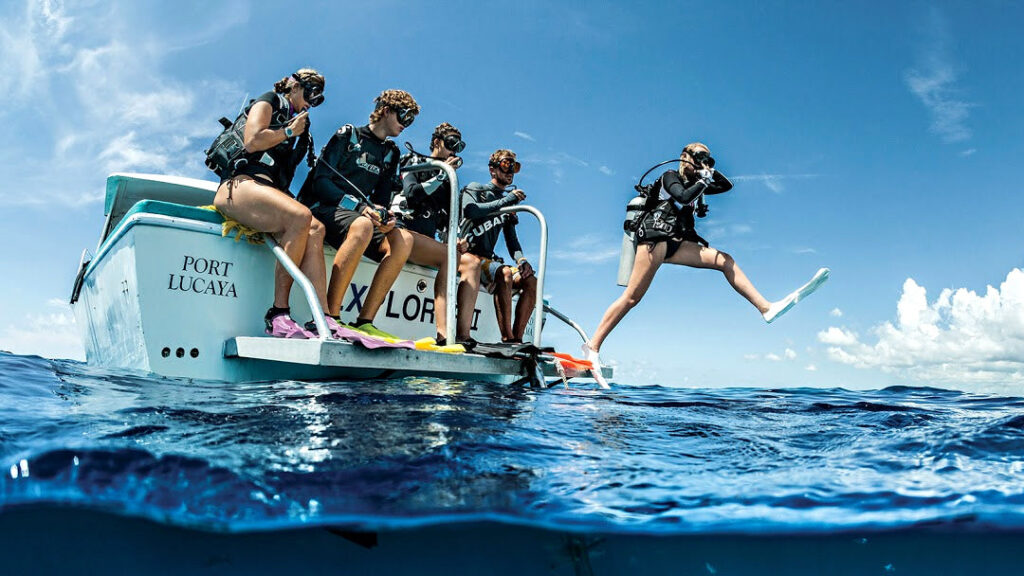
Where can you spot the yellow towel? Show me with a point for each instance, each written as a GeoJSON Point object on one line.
{"type": "Point", "coordinates": [238, 230]}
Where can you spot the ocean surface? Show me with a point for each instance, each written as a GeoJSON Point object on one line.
{"type": "Point", "coordinates": [427, 454]}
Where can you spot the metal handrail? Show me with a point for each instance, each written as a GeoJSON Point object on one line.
{"type": "Point", "coordinates": [572, 323]}
{"type": "Point", "coordinates": [538, 312]}
{"type": "Point", "coordinates": [454, 213]}
{"type": "Point", "coordinates": [323, 333]}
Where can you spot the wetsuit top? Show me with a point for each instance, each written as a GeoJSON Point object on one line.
{"type": "Point", "coordinates": [671, 187]}
{"type": "Point", "coordinates": [370, 163]}
{"type": "Point", "coordinates": [480, 224]}
{"type": "Point", "coordinates": [277, 163]}
{"type": "Point", "coordinates": [428, 194]}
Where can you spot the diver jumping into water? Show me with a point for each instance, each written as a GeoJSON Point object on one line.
{"type": "Point", "coordinates": [665, 232]}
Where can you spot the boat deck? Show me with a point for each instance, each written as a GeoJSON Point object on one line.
{"type": "Point", "coordinates": [397, 361]}
{"type": "Point", "coordinates": [338, 353]}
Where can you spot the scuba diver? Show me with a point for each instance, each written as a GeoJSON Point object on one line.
{"type": "Point", "coordinates": [348, 190]}
{"type": "Point", "coordinates": [664, 229]}
{"type": "Point", "coordinates": [480, 204]}
{"type": "Point", "coordinates": [422, 209]}
{"type": "Point", "coordinates": [256, 174]}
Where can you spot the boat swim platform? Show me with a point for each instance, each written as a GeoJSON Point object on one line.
{"type": "Point", "coordinates": [339, 357]}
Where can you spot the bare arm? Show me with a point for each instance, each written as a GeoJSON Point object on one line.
{"type": "Point", "coordinates": [258, 134]}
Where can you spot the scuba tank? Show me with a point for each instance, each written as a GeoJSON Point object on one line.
{"type": "Point", "coordinates": [634, 210]}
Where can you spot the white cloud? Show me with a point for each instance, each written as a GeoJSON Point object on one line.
{"type": "Point", "coordinates": [836, 312]}
{"type": "Point", "coordinates": [968, 152]}
{"type": "Point", "coordinates": [788, 354]}
{"type": "Point", "coordinates": [50, 335]}
{"type": "Point", "coordinates": [717, 232]}
{"type": "Point", "coordinates": [524, 136]}
{"type": "Point", "coordinates": [934, 82]}
{"type": "Point", "coordinates": [960, 337]}
{"type": "Point", "coordinates": [606, 171]}
{"type": "Point", "coordinates": [589, 249]}
{"type": "Point", "coordinates": [774, 182]}
{"type": "Point", "coordinates": [86, 84]}
{"type": "Point", "coordinates": [811, 368]}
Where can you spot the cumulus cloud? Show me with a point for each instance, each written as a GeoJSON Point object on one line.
{"type": "Point", "coordinates": [961, 336]}
{"type": "Point", "coordinates": [836, 312]}
{"type": "Point", "coordinates": [90, 99]}
{"type": "Point", "coordinates": [934, 82]}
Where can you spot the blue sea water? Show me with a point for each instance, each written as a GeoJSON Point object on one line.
{"type": "Point", "coordinates": [412, 454]}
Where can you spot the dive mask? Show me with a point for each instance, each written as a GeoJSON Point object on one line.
{"type": "Point", "coordinates": [702, 158]}
{"type": "Point", "coordinates": [507, 165]}
{"type": "Point", "coordinates": [405, 116]}
{"type": "Point", "coordinates": [311, 93]}
{"type": "Point", "coordinates": [454, 143]}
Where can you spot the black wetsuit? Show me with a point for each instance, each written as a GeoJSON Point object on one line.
{"type": "Point", "coordinates": [665, 221]}
{"type": "Point", "coordinates": [278, 163]}
{"type": "Point", "coordinates": [481, 223]}
{"type": "Point", "coordinates": [428, 194]}
{"type": "Point", "coordinates": [371, 164]}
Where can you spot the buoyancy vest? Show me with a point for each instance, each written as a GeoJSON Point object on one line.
{"type": "Point", "coordinates": [358, 165]}
{"type": "Point", "coordinates": [227, 156]}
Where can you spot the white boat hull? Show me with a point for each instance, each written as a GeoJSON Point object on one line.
{"type": "Point", "coordinates": [165, 294]}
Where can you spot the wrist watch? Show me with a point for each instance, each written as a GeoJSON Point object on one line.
{"type": "Point", "coordinates": [288, 132]}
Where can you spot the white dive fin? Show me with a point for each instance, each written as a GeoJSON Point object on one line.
{"type": "Point", "coordinates": [591, 355]}
{"type": "Point", "coordinates": [782, 306]}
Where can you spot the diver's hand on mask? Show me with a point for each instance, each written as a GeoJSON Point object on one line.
{"type": "Point", "coordinates": [706, 174]}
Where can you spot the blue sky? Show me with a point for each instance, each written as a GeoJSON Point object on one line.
{"type": "Point", "coordinates": [882, 140]}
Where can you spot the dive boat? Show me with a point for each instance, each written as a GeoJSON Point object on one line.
{"type": "Point", "coordinates": [166, 293]}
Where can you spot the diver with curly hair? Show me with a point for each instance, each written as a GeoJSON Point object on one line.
{"type": "Point", "coordinates": [349, 190]}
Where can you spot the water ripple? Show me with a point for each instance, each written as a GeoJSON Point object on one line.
{"type": "Point", "coordinates": [396, 452]}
